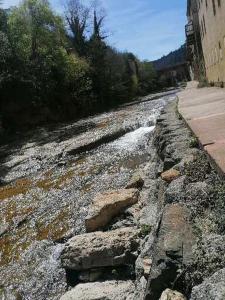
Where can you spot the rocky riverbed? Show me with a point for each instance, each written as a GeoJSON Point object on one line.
{"type": "Point", "coordinates": [123, 205]}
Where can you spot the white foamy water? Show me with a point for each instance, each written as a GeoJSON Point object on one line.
{"type": "Point", "coordinates": [134, 140]}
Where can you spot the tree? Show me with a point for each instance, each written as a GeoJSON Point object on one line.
{"type": "Point", "coordinates": [147, 77]}
{"type": "Point", "coordinates": [77, 16]}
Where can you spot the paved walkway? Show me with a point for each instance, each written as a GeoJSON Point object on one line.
{"type": "Point", "coordinates": [204, 111]}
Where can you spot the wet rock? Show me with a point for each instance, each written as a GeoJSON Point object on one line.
{"type": "Point", "coordinates": [4, 228]}
{"type": "Point", "coordinates": [172, 295]}
{"type": "Point", "coordinates": [108, 290]}
{"type": "Point", "coordinates": [108, 205]}
{"type": "Point", "coordinates": [136, 181]}
{"type": "Point", "coordinates": [172, 250]}
{"type": "Point", "coordinates": [9, 294]}
{"type": "Point", "coordinates": [170, 175]}
{"type": "Point", "coordinates": [101, 249]}
{"type": "Point", "coordinates": [212, 288]}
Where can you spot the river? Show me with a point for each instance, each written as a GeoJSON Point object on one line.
{"type": "Point", "coordinates": [48, 180]}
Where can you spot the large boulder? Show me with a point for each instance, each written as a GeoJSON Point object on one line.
{"type": "Point", "coordinates": [172, 295]}
{"type": "Point", "coordinates": [212, 288]}
{"type": "Point", "coordinates": [101, 249]}
{"type": "Point", "coordinates": [108, 290]}
{"type": "Point", "coordinates": [172, 249]}
{"type": "Point", "coordinates": [107, 206]}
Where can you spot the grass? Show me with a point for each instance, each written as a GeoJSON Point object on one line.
{"type": "Point", "coordinates": [193, 143]}
{"type": "Point", "coordinates": [145, 230]}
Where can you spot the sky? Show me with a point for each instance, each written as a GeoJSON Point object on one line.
{"type": "Point", "coordinates": [148, 28]}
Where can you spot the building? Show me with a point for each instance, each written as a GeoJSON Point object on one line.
{"type": "Point", "coordinates": [195, 56]}
{"type": "Point", "coordinates": [211, 15]}
{"type": "Point", "coordinates": [172, 75]}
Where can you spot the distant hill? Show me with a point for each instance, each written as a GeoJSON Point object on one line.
{"type": "Point", "coordinates": [172, 59]}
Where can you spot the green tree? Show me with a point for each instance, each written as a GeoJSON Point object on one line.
{"type": "Point", "coordinates": [147, 78]}
{"type": "Point", "coordinates": [77, 17]}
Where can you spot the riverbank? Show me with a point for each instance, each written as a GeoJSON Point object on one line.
{"type": "Point", "coordinates": [188, 249]}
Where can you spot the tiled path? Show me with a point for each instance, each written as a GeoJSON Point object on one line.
{"type": "Point", "coordinates": [204, 111]}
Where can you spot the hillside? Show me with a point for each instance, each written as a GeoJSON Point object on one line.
{"type": "Point", "coordinates": [173, 58]}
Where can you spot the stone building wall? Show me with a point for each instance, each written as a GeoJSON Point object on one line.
{"type": "Point", "coordinates": [212, 24]}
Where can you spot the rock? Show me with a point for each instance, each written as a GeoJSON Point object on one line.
{"type": "Point", "coordinates": [108, 205]}
{"type": "Point", "coordinates": [172, 295]}
{"type": "Point", "coordinates": [209, 254]}
{"type": "Point", "coordinates": [108, 290]}
{"type": "Point", "coordinates": [172, 250]}
{"type": "Point", "coordinates": [176, 191]}
{"type": "Point", "coordinates": [147, 264]}
{"type": "Point", "coordinates": [136, 182]}
{"type": "Point", "coordinates": [101, 249]}
{"type": "Point", "coordinates": [90, 276]}
{"type": "Point", "coordinates": [212, 288]}
{"type": "Point", "coordinates": [4, 228]}
{"type": "Point", "coordinates": [170, 175]}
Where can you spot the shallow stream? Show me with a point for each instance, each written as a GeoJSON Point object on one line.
{"type": "Point", "coordinates": [48, 180]}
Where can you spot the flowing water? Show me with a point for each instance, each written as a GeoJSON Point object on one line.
{"type": "Point", "coordinates": [48, 180]}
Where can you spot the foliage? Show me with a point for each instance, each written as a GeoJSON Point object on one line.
{"type": "Point", "coordinates": [54, 69]}
{"type": "Point", "coordinates": [172, 59]}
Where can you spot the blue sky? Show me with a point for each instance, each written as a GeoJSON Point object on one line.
{"type": "Point", "coordinates": [148, 28]}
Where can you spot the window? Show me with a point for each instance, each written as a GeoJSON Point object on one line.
{"type": "Point", "coordinates": [204, 24]}
{"type": "Point", "coordinates": [214, 7]}
{"type": "Point", "coordinates": [220, 50]}
{"type": "Point", "coordinates": [216, 56]}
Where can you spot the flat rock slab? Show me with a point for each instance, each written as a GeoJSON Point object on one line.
{"type": "Point", "coordinates": [172, 250]}
{"type": "Point", "coordinates": [107, 206]}
{"type": "Point", "coordinates": [101, 249]}
{"type": "Point", "coordinates": [108, 290]}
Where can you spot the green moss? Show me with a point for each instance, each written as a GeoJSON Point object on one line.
{"type": "Point", "coordinates": [145, 230]}
{"type": "Point", "coordinates": [193, 143]}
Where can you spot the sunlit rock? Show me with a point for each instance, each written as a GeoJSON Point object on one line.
{"type": "Point", "coordinates": [101, 249]}
{"type": "Point", "coordinates": [172, 295]}
{"type": "Point", "coordinates": [108, 290]}
{"type": "Point", "coordinates": [108, 205]}
{"type": "Point", "coordinates": [170, 175]}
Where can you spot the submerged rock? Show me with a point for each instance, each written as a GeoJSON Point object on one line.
{"type": "Point", "coordinates": [108, 205]}
{"type": "Point", "coordinates": [108, 290]}
{"type": "Point", "coordinates": [212, 288]}
{"type": "Point", "coordinates": [172, 295]}
{"type": "Point", "coordinates": [101, 249]}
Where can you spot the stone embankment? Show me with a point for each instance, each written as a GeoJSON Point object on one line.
{"type": "Point", "coordinates": [159, 238]}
